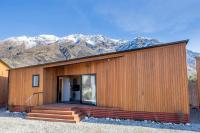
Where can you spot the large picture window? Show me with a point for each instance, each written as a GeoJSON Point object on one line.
{"type": "Point", "coordinates": [36, 80]}
{"type": "Point", "coordinates": [89, 89]}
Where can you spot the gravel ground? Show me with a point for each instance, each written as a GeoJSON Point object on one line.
{"type": "Point", "coordinates": [195, 116]}
{"type": "Point", "coordinates": [15, 123]}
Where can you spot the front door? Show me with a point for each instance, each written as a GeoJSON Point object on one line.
{"type": "Point", "coordinates": [88, 94]}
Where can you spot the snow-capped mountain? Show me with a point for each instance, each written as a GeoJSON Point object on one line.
{"type": "Point", "coordinates": [32, 41]}
{"type": "Point", "coordinates": [23, 50]}
{"type": "Point", "coordinates": [191, 62]}
{"type": "Point", "coordinates": [138, 42]}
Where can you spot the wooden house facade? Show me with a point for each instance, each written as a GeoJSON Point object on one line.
{"type": "Point", "coordinates": [4, 68]}
{"type": "Point", "coordinates": [144, 83]}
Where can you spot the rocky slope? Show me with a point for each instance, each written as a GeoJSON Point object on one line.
{"type": "Point", "coordinates": [191, 62]}
{"type": "Point", "coordinates": [24, 51]}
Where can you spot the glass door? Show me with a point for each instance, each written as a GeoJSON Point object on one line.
{"type": "Point", "coordinates": [88, 89]}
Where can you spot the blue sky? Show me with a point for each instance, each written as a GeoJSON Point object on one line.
{"type": "Point", "coordinates": [166, 20]}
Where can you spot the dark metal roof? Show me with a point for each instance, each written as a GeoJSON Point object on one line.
{"type": "Point", "coordinates": [149, 47]}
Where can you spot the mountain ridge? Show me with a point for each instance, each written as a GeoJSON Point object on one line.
{"type": "Point", "coordinates": [24, 50]}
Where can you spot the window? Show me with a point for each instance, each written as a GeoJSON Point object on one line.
{"type": "Point", "coordinates": [35, 80]}
{"type": "Point", "coordinates": [89, 89]}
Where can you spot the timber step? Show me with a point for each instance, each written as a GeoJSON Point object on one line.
{"type": "Point", "coordinates": [61, 112]}
{"type": "Point", "coordinates": [51, 119]}
{"type": "Point", "coordinates": [54, 108]}
{"type": "Point", "coordinates": [57, 114]}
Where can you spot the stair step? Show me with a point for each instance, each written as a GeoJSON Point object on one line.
{"type": "Point", "coordinates": [56, 113]}
{"type": "Point", "coordinates": [51, 119]}
{"type": "Point", "coordinates": [55, 108]}
{"type": "Point", "coordinates": [52, 116]}
{"type": "Point", "coordinates": [61, 112]}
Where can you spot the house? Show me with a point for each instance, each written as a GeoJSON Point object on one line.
{"type": "Point", "coordinates": [144, 83]}
{"type": "Point", "coordinates": [197, 90]}
{"type": "Point", "coordinates": [3, 83]}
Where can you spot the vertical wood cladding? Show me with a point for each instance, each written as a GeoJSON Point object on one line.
{"type": "Point", "coordinates": [148, 80]}
{"type": "Point", "coordinates": [50, 86]}
{"type": "Point", "coordinates": [3, 84]}
{"type": "Point", "coordinates": [20, 86]}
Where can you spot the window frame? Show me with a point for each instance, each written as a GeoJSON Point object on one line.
{"type": "Point", "coordinates": [38, 85]}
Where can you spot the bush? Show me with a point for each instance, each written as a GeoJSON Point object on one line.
{"type": "Point", "coordinates": [193, 77]}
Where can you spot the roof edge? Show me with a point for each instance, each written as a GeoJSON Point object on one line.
{"type": "Point", "coordinates": [5, 63]}
{"type": "Point", "coordinates": [175, 42]}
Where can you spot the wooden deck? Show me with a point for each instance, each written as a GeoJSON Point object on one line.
{"type": "Point", "coordinates": [75, 112]}
{"type": "Point", "coordinates": [70, 105]}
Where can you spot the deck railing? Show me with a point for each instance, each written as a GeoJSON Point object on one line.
{"type": "Point", "coordinates": [29, 100]}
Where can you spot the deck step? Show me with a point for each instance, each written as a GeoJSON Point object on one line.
{"type": "Point", "coordinates": [55, 108]}
{"type": "Point", "coordinates": [51, 116]}
{"type": "Point", "coordinates": [51, 119]}
{"type": "Point", "coordinates": [61, 114]}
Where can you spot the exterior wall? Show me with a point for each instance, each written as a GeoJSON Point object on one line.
{"type": "Point", "coordinates": [155, 80]}
{"type": "Point", "coordinates": [193, 94]}
{"type": "Point", "coordinates": [3, 84]}
{"type": "Point", "coordinates": [50, 84]}
{"type": "Point", "coordinates": [149, 80]}
{"type": "Point", "coordinates": [198, 80]}
{"type": "Point", "coordinates": [20, 86]}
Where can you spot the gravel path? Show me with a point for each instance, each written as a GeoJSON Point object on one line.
{"type": "Point", "coordinates": [15, 123]}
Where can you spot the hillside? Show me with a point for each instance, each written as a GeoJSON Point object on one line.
{"type": "Point", "coordinates": [24, 51]}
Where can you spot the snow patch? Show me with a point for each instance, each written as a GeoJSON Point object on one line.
{"type": "Point", "coordinates": [75, 38]}
{"type": "Point", "coordinates": [49, 37]}
{"type": "Point", "coordinates": [31, 42]}
{"type": "Point", "coordinates": [91, 42]}
{"type": "Point", "coordinates": [115, 40]}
